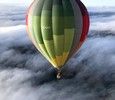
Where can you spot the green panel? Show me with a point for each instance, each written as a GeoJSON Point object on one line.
{"type": "Point", "coordinates": [46, 20]}
{"type": "Point", "coordinates": [58, 25]}
{"type": "Point", "coordinates": [47, 5]}
{"type": "Point", "coordinates": [57, 2]}
{"type": "Point", "coordinates": [69, 34]}
{"type": "Point", "coordinates": [69, 22]}
{"type": "Point", "coordinates": [57, 10]}
{"type": "Point", "coordinates": [38, 7]}
{"type": "Point", "coordinates": [69, 19]}
{"type": "Point", "coordinates": [37, 29]}
{"type": "Point", "coordinates": [69, 25]}
{"type": "Point", "coordinates": [58, 18]}
{"type": "Point", "coordinates": [47, 13]}
{"type": "Point", "coordinates": [46, 27]}
{"type": "Point", "coordinates": [50, 48]}
{"type": "Point", "coordinates": [58, 44]}
{"type": "Point", "coordinates": [68, 9]}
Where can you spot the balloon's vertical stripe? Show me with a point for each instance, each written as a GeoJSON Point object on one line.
{"type": "Point", "coordinates": [78, 27]}
{"type": "Point", "coordinates": [46, 28]}
{"type": "Point", "coordinates": [69, 28]}
{"type": "Point", "coordinates": [58, 30]}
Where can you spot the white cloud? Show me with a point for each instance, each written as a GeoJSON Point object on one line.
{"type": "Point", "coordinates": [26, 75]}
{"type": "Point", "coordinates": [12, 15]}
{"type": "Point", "coordinates": [6, 30]}
{"type": "Point", "coordinates": [103, 26]}
{"type": "Point", "coordinates": [97, 3]}
{"type": "Point", "coordinates": [18, 2]}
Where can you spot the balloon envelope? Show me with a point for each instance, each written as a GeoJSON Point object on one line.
{"type": "Point", "coordinates": [57, 28]}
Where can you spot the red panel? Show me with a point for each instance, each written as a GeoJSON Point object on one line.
{"type": "Point", "coordinates": [85, 20]}
{"type": "Point", "coordinates": [26, 19]}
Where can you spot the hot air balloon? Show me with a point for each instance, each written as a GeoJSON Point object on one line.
{"type": "Point", "coordinates": [57, 28]}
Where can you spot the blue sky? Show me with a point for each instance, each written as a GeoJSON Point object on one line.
{"type": "Point", "coordinates": [86, 2]}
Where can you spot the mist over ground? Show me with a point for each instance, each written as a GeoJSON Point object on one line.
{"type": "Point", "coordinates": [26, 75]}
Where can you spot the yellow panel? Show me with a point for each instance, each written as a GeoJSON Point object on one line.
{"type": "Point", "coordinates": [54, 63]}
{"type": "Point", "coordinates": [59, 60]}
{"type": "Point", "coordinates": [65, 55]}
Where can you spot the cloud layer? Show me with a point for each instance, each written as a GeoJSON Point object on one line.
{"type": "Point", "coordinates": [26, 75]}
{"type": "Point", "coordinates": [12, 15]}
